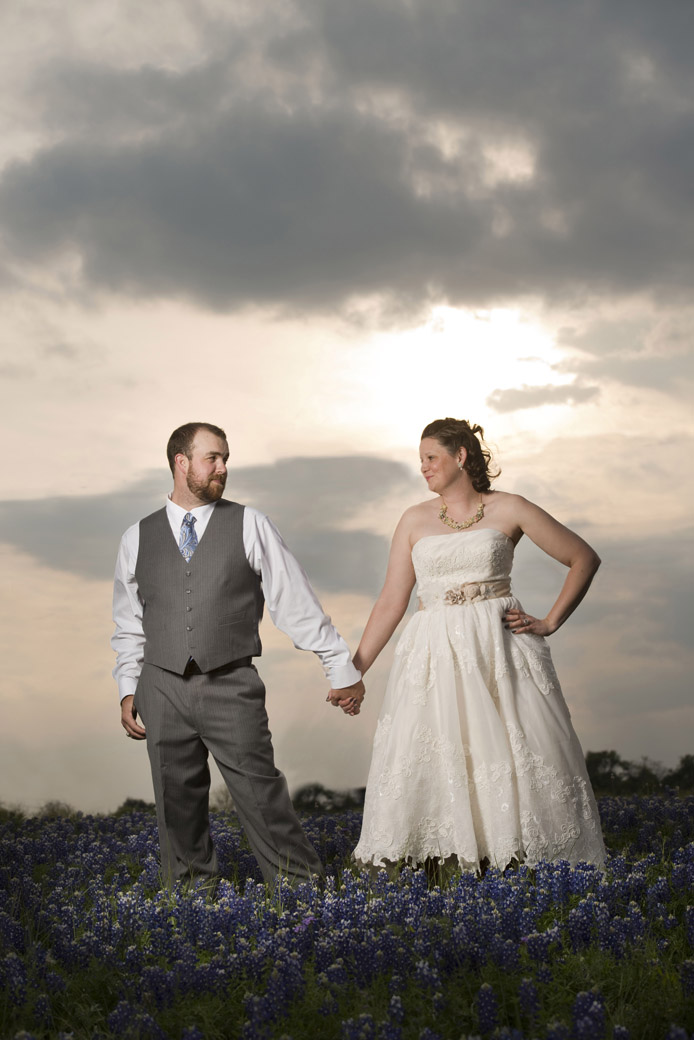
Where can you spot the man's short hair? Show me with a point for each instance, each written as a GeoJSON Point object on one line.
{"type": "Point", "coordinates": [181, 440]}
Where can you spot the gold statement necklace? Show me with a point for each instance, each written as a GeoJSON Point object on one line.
{"type": "Point", "coordinates": [443, 515]}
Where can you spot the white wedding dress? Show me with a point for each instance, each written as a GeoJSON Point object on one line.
{"type": "Point", "coordinates": [474, 755]}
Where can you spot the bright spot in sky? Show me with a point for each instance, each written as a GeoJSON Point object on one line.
{"type": "Point", "coordinates": [448, 366]}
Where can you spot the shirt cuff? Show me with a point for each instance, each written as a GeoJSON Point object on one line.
{"type": "Point", "coordinates": [127, 684]}
{"type": "Point", "coordinates": [344, 675]}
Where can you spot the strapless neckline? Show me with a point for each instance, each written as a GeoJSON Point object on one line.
{"type": "Point", "coordinates": [464, 534]}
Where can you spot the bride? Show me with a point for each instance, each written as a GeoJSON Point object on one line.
{"type": "Point", "coordinates": [475, 760]}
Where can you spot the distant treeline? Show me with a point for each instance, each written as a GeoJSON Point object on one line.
{"type": "Point", "coordinates": [610, 774]}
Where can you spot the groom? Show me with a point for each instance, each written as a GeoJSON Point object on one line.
{"type": "Point", "coordinates": [189, 588]}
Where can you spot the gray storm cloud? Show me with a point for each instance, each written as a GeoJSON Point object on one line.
{"type": "Point", "coordinates": [414, 152]}
{"type": "Point", "coordinates": [517, 398]}
{"type": "Point", "coordinates": [654, 353]}
{"type": "Point", "coordinates": [309, 499]}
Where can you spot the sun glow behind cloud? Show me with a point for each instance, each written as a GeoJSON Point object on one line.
{"type": "Point", "coordinates": [450, 365]}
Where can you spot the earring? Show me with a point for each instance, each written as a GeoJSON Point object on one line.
{"type": "Point", "coordinates": [460, 465]}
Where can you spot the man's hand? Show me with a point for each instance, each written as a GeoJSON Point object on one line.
{"type": "Point", "coordinates": [348, 698]}
{"type": "Point", "coordinates": [128, 720]}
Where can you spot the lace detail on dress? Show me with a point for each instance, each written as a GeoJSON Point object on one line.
{"type": "Point", "coordinates": [475, 559]}
{"type": "Point", "coordinates": [426, 746]}
{"type": "Point", "coordinates": [474, 753]}
{"type": "Point", "coordinates": [534, 661]}
{"type": "Point", "coordinates": [532, 834]}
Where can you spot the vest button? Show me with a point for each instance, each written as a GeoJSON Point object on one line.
{"type": "Point", "coordinates": [188, 574]}
{"type": "Point", "coordinates": [188, 592]}
{"type": "Point", "coordinates": [189, 608]}
{"type": "Point", "coordinates": [189, 628]}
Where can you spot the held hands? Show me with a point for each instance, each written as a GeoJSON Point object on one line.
{"type": "Point", "coordinates": [348, 698]}
{"type": "Point", "coordinates": [520, 622]}
{"type": "Point", "coordinates": [128, 720]}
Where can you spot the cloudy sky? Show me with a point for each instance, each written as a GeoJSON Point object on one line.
{"type": "Point", "coordinates": [321, 225]}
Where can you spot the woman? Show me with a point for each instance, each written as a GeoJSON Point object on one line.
{"type": "Point", "coordinates": [475, 758]}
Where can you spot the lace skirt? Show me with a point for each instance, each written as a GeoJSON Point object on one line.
{"type": "Point", "coordinates": [475, 756]}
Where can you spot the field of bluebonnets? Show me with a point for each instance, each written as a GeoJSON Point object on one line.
{"type": "Point", "coordinates": [91, 947]}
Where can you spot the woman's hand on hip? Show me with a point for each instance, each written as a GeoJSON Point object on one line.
{"type": "Point", "coordinates": [520, 622]}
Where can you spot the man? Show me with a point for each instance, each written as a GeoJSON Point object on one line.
{"type": "Point", "coordinates": [190, 584]}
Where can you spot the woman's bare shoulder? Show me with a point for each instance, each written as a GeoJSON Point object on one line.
{"type": "Point", "coordinates": [508, 497]}
{"type": "Point", "coordinates": [524, 509]}
{"type": "Point", "coordinates": [509, 504]}
{"type": "Point", "coordinates": [416, 515]}
{"type": "Point", "coordinates": [420, 511]}
{"type": "Point", "coordinates": [505, 511]}
{"type": "Point", "coordinates": [424, 508]}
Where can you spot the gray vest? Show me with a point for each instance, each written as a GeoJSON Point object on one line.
{"type": "Point", "coordinates": [208, 608]}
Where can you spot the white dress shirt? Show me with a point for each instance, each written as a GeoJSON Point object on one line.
{"type": "Point", "coordinates": [292, 603]}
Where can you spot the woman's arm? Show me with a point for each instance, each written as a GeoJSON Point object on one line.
{"type": "Point", "coordinates": [568, 548]}
{"type": "Point", "coordinates": [392, 601]}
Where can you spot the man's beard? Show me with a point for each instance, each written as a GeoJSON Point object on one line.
{"type": "Point", "coordinates": [210, 490]}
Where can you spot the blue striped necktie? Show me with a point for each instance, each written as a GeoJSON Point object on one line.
{"type": "Point", "coordinates": [187, 540]}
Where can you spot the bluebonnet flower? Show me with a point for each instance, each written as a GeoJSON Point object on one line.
{"type": "Point", "coordinates": [159, 984]}
{"type": "Point", "coordinates": [676, 1033]}
{"type": "Point", "coordinates": [362, 1028]}
{"type": "Point", "coordinates": [122, 1017]}
{"type": "Point", "coordinates": [395, 984]}
{"type": "Point", "coordinates": [528, 999]}
{"type": "Point", "coordinates": [13, 978]}
{"type": "Point", "coordinates": [689, 924]}
{"type": "Point", "coordinates": [557, 1031]}
{"type": "Point", "coordinates": [435, 903]}
{"type": "Point", "coordinates": [560, 882]}
{"type": "Point", "coordinates": [427, 976]}
{"type": "Point", "coordinates": [329, 1005]}
{"type": "Point", "coordinates": [505, 953]}
{"type": "Point", "coordinates": [54, 982]}
{"type": "Point", "coordinates": [588, 1015]}
{"type": "Point", "coordinates": [11, 933]}
{"type": "Point", "coordinates": [637, 923]}
{"type": "Point", "coordinates": [42, 1009]}
{"type": "Point", "coordinates": [396, 1011]}
{"type": "Point", "coordinates": [336, 971]}
{"type": "Point", "coordinates": [388, 1030]}
{"type": "Point", "coordinates": [687, 977]}
{"type": "Point", "coordinates": [131, 1022]}
{"type": "Point", "coordinates": [539, 944]}
{"type": "Point", "coordinates": [487, 1008]}
{"type": "Point", "coordinates": [438, 1004]}
{"type": "Point", "coordinates": [659, 891]}
{"type": "Point", "coordinates": [579, 925]}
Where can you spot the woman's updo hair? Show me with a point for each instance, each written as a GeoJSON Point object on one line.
{"type": "Point", "coordinates": [455, 434]}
